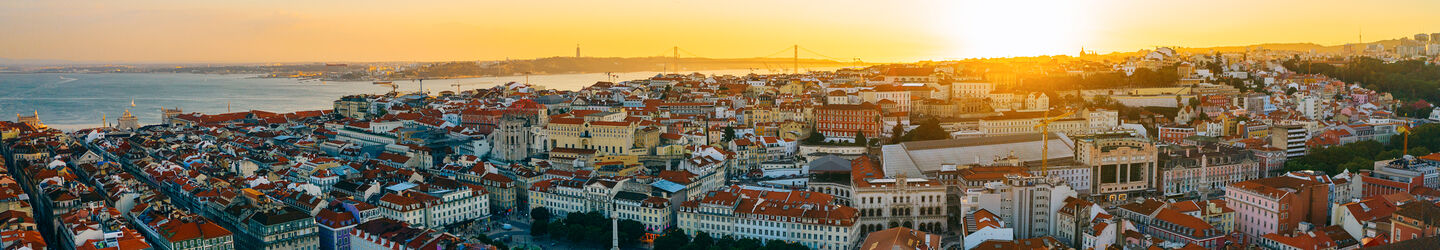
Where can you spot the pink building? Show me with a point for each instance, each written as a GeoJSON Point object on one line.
{"type": "Point", "coordinates": [1277, 205]}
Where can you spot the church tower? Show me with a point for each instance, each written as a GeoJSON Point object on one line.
{"type": "Point", "coordinates": [32, 120]}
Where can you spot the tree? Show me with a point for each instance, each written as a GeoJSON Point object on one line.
{"type": "Point", "coordinates": [540, 214]}
{"type": "Point", "coordinates": [1419, 151]}
{"type": "Point", "coordinates": [577, 233]}
{"type": "Point", "coordinates": [1362, 155]}
{"type": "Point", "coordinates": [724, 243]}
{"type": "Point", "coordinates": [672, 239]}
{"type": "Point", "coordinates": [558, 230]}
{"type": "Point", "coordinates": [928, 130]}
{"type": "Point", "coordinates": [897, 133]}
{"type": "Point", "coordinates": [860, 138]}
{"type": "Point", "coordinates": [729, 133]}
{"type": "Point", "coordinates": [746, 243]}
{"type": "Point", "coordinates": [539, 228]}
{"type": "Point", "coordinates": [1214, 68]}
{"type": "Point", "coordinates": [1405, 80]}
{"type": "Point", "coordinates": [701, 240]}
{"type": "Point", "coordinates": [630, 232]}
{"type": "Point", "coordinates": [782, 245]}
{"type": "Point", "coordinates": [591, 228]}
{"type": "Point", "coordinates": [596, 236]}
{"type": "Point", "coordinates": [815, 138]}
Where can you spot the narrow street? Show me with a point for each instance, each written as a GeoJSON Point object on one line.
{"type": "Point", "coordinates": [44, 222]}
{"type": "Point", "coordinates": [241, 241]}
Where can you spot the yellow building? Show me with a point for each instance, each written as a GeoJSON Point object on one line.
{"type": "Point", "coordinates": [796, 88]}
{"type": "Point", "coordinates": [605, 137]}
{"type": "Point", "coordinates": [793, 130]}
{"type": "Point", "coordinates": [1024, 123]}
{"type": "Point", "coordinates": [617, 165]}
{"type": "Point", "coordinates": [759, 114]}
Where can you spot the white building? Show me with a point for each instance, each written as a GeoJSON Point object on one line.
{"type": "Point", "coordinates": [438, 207]}
{"type": "Point", "coordinates": [897, 94]}
{"type": "Point", "coordinates": [896, 201]}
{"type": "Point", "coordinates": [982, 225]}
{"type": "Point", "coordinates": [1031, 199]}
{"type": "Point", "coordinates": [653, 212]}
{"type": "Point", "coordinates": [808, 218]}
{"type": "Point", "coordinates": [971, 89]}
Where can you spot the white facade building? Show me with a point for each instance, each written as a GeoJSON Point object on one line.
{"type": "Point", "coordinates": [804, 217]}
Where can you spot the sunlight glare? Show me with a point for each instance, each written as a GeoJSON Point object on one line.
{"type": "Point", "coordinates": [1019, 28]}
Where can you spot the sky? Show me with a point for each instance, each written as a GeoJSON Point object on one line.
{"type": "Point", "coordinates": [873, 31]}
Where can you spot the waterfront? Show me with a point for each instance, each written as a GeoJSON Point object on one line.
{"type": "Point", "coordinates": [75, 101]}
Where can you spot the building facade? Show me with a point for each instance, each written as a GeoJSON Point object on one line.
{"type": "Point", "coordinates": [803, 217]}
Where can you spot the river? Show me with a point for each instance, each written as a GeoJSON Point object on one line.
{"type": "Point", "coordinates": [76, 101]}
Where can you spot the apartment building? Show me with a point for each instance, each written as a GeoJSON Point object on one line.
{"type": "Point", "coordinates": [1032, 199]}
{"type": "Point", "coordinates": [1277, 205]}
{"type": "Point", "coordinates": [808, 218]}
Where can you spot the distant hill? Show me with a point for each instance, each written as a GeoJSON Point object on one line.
{"type": "Point", "coordinates": [1273, 46]}
{"type": "Point", "coordinates": [566, 65]}
{"type": "Point", "coordinates": [33, 62]}
{"type": "Point", "coordinates": [1304, 47]}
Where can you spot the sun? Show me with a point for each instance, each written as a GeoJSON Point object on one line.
{"type": "Point", "coordinates": [1018, 28]}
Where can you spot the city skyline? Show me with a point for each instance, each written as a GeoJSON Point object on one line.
{"type": "Point", "coordinates": [737, 125]}
{"type": "Point", "coordinates": [269, 31]}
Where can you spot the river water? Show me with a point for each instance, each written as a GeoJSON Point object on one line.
{"type": "Point", "coordinates": [76, 101]}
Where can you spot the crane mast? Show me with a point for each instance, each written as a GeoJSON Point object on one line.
{"type": "Point", "coordinates": [1044, 126]}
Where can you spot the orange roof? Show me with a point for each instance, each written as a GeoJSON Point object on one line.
{"type": "Point", "coordinates": [817, 208]}
{"type": "Point", "coordinates": [1196, 224]}
{"type": "Point", "coordinates": [900, 238]}
{"type": "Point", "coordinates": [1274, 187]}
{"type": "Point", "coordinates": [984, 218]}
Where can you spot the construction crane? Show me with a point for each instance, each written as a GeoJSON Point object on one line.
{"type": "Point", "coordinates": [1406, 131]}
{"type": "Point", "coordinates": [1044, 127]}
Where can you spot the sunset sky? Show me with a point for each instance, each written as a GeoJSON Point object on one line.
{"type": "Point", "coordinates": [875, 31]}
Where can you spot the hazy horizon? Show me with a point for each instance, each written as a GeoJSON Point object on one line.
{"type": "Point", "coordinates": [802, 57]}
{"type": "Point", "coordinates": [162, 31]}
